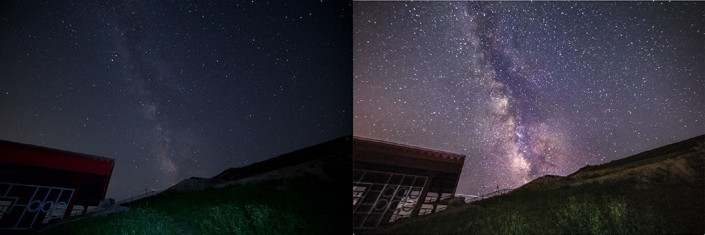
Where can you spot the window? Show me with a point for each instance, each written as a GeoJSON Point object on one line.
{"type": "Point", "coordinates": [6, 204]}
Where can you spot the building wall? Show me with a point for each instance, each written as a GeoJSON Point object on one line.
{"type": "Point", "coordinates": [393, 182]}
{"type": "Point", "coordinates": [38, 185]}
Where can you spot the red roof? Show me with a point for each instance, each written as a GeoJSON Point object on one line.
{"type": "Point", "coordinates": [430, 154]}
{"type": "Point", "coordinates": [399, 155]}
{"type": "Point", "coordinates": [38, 156]}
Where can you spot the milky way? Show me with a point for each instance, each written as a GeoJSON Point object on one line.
{"type": "Point", "coordinates": [528, 89]}
{"type": "Point", "coordinates": [173, 90]}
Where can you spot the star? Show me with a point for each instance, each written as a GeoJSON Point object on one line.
{"type": "Point", "coordinates": [526, 89]}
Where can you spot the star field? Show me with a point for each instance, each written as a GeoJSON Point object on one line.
{"type": "Point", "coordinates": [172, 90]}
{"type": "Point", "coordinates": [526, 89]}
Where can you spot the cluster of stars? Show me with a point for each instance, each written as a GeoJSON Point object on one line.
{"type": "Point", "coordinates": [173, 90]}
{"type": "Point", "coordinates": [527, 89]}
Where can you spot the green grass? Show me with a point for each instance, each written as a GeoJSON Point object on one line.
{"type": "Point", "coordinates": [657, 203]}
{"type": "Point", "coordinates": [615, 208]}
{"type": "Point", "coordinates": [138, 221]}
{"type": "Point", "coordinates": [250, 219]}
{"type": "Point", "coordinates": [303, 208]}
{"type": "Point", "coordinates": [501, 222]}
{"type": "Point", "coordinates": [586, 215]}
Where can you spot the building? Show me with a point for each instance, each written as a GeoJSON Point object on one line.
{"type": "Point", "coordinates": [393, 181]}
{"type": "Point", "coordinates": [39, 184]}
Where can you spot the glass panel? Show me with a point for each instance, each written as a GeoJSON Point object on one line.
{"type": "Point", "coordinates": [426, 209]}
{"type": "Point", "coordinates": [431, 197]}
{"type": "Point", "coordinates": [381, 197]}
{"type": "Point", "coordinates": [25, 206]}
{"type": "Point", "coordinates": [445, 196]}
{"type": "Point", "coordinates": [440, 208]}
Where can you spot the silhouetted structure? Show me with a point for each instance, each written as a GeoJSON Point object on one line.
{"type": "Point", "coordinates": [39, 184]}
{"type": "Point", "coordinates": [393, 181]}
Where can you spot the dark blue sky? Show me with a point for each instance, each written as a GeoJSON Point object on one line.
{"type": "Point", "coordinates": [526, 89]}
{"type": "Point", "coordinates": [175, 89]}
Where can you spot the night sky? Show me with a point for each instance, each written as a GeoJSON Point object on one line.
{"type": "Point", "coordinates": [172, 90]}
{"type": "Point", "coordinates": [526, 89]}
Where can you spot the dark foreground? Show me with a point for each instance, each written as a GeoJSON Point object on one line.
{"type": "Point", "coordinates": [655, 192]}
{"type": "Point", "coordinates": [291, 200]}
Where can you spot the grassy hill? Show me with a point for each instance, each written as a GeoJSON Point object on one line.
{"type": "Point", "coordinates": [301, 203]}
{"type": "Point", "coordinates": [654, 192]}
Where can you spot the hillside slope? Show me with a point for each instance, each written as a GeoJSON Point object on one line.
{"type": "Point", "coordinates": [296, 193]}
{"type": "Point", "coordinates": [321, 161]}
{"type": "Point", "coordinates": [657, 191]}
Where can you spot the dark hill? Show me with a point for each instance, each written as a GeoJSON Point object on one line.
{"type": "Point", "coordinates": [676, 163]}
{"type": "Point", "coordinates": [324, 151]}
{"type": "Point", "coordinates": [654, 192]}
{"type": "Point", "coordinates": [327, 161]}
{"type": "Point", "coordinates": [302, 192]}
